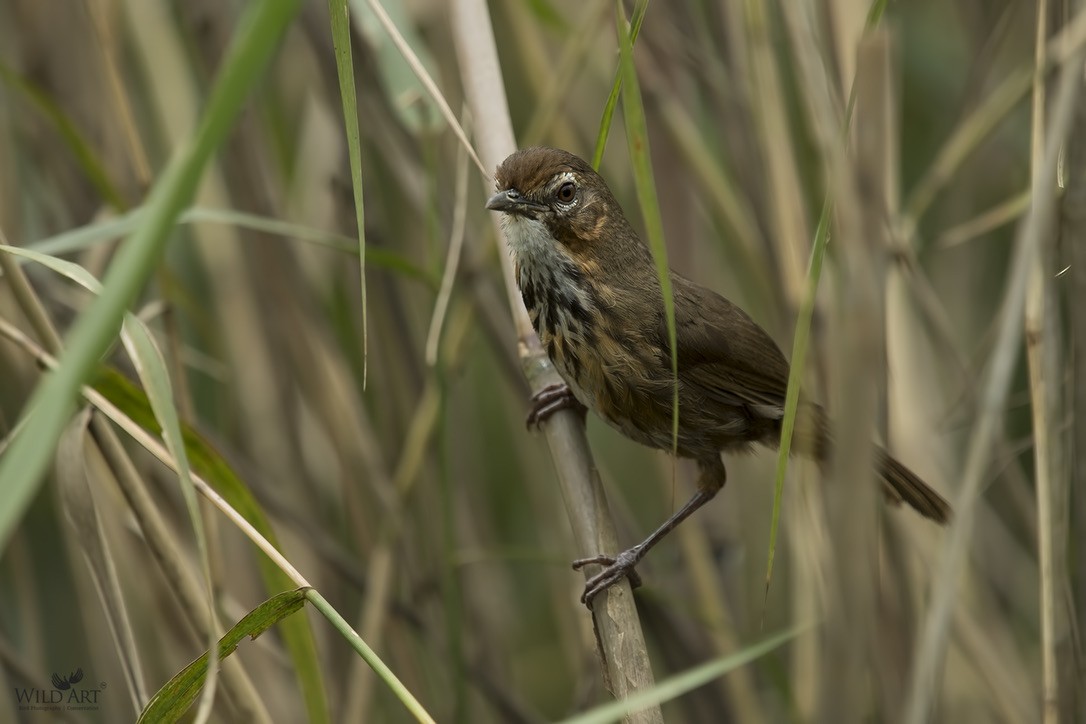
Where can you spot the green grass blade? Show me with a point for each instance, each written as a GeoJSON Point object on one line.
{"type": "Point", "coordinates": [369, 656]}
{"type": "Point", "coordinates": [341, 41]}
{"type": "Point", "coordinates": [637, 140]}
{"type": "Point", "coordinates": [65, 268]}
{"type": "Point", "coordinates": [795, 374]}
{"type": "Point", "coordinates": [681, 683]}
{"type": "Point", "coordinates": [51, 404]}
{"type": "Point", "coordinates": [88, 236]}
{"type": "Point", "coordinates": [616, 86]}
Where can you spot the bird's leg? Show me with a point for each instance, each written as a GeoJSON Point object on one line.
{"type": "Point", "coordinates": [550, 400]}
{"type": "Point", "coordinates": [710, 481]}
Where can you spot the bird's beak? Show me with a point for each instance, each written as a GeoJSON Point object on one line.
{"type": "Point", "coordinates": [511, 201]}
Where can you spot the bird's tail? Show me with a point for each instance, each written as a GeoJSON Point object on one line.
{"type": "Point", "coordinates": [901, 484]}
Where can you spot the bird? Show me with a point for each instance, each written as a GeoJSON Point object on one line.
{"type": "Point", "coordinates": [593, 294]}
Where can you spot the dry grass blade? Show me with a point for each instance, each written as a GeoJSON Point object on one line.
{"type": "Point", "coordinates": [985, 222]}
{"type": "Point", "coordinates": [790, 231]}
{"type": "Point", "coordinates": [81, 511]}
{"type": "Point", "coordinates": [452, 260]}
{"type": "Point", "coordinates": [431, 87]}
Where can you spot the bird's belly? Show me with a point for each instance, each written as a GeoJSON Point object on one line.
{"type": "Point", "coordinates": [639, 406]}
{"type": "Point", "coordinates": [635, 420]}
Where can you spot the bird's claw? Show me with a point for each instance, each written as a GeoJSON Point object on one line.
{"type": "Point", "coordinates": [550, 400]}
{"type": "Point", "coordinates": [615, 569]}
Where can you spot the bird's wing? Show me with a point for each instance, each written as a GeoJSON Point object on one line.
{"type": "Point", "coordinates": [723, 352]}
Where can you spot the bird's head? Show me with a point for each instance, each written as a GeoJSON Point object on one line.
{"type": "Point", "coordinates": [550, 196]}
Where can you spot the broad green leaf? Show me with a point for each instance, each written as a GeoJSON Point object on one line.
{"type": "Point", "coordinates": [172, 701]}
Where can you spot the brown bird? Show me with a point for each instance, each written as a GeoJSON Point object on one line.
{"type": "Point", "coordinates": [592, 292]}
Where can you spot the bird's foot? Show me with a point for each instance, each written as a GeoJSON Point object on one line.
{"type": "Point", "coordinates": [550, 400]}
{"type": "Point", "coordinates": [615, 569]}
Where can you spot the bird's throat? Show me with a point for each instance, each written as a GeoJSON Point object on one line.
{"type": "Point", "coordinates": [560, 299]}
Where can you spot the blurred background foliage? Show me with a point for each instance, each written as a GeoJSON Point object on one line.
{"type": "Point", "coordinates": [424, 483]}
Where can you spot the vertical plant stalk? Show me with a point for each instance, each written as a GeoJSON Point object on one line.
{"type": "Point", "coordinates": [931, 647]}
{"type": "Point", "coordinates": [862, 189]}
{"type": "Point", "coordinates": [1074, 237]}
{"type": "Point", "coordinates": [622, 645]}
{"type": "Point", "coordinates": [1043, 357]}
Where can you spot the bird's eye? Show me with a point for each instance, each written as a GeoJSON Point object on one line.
{"type": "Point", "coordinates": [567, 191]}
